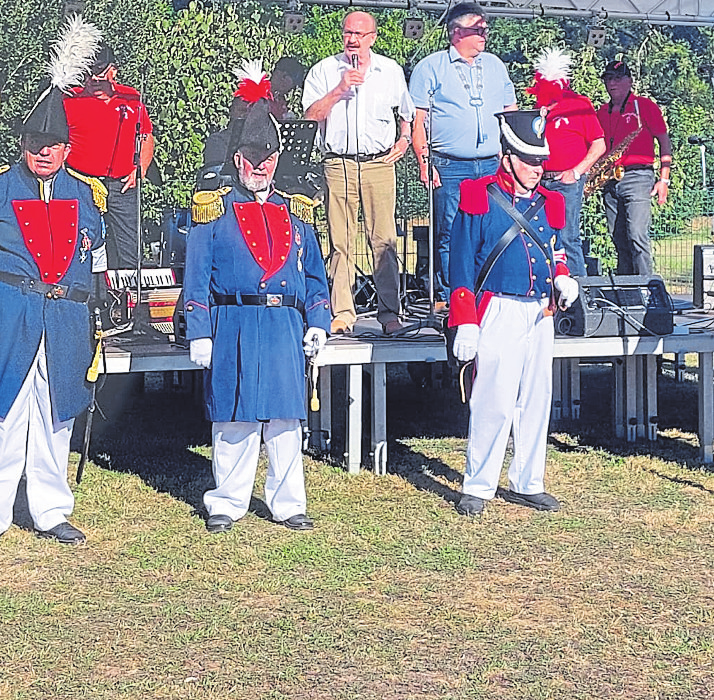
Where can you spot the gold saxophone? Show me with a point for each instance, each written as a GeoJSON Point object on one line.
{"type": "Point", "coordinates": [605, 168]}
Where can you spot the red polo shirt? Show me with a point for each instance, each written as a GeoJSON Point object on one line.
{"type": "Point", "coordinates": [103, 134]}
{"type": "Point", "coordinates": [570, 129]}
{"type": "Point", "coordinates": [618, 124]}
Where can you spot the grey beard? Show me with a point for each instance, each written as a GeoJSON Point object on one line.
{"type": "Point", "coordinates": [255, 183]}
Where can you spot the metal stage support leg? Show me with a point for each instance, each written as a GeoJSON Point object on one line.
{"type": "Point", "coordinates": [706, 406]}
{"type": "Point", "coordinates": [680, 365]}
{"type": "Point", "coordinates": [618, 394]}
{"type": "Point", "coordinates": [378, 387]}
{"type": "Point", "coordinates": [566, 388]}
{"type": "Point", "coordinates": [557, 409]}
{"type": "Point", "coordinates": [574, 387]}
{"type": "Point", "coordinates": [650, 391]}
{"type": "Point", "coordinates": [354, 418]}
{"type": "Point", "coordinates": [640, 399]}
{"type": "Point", "coordinates": [630, 379]}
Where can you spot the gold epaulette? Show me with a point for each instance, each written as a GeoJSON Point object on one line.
{"type": "Point", "coordinates": [208, 205]}
{"type": "Point", "coordinates": [301, 206]}
{"type": "Point", "coordinates": [99, 190]}
{"type": "Point", "coordinates": [4, 169]}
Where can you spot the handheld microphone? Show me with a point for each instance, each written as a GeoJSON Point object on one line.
{"type": "Point", "coordinates": [695, 140]}
{"type": "Point", "coordinates": [354, 61]}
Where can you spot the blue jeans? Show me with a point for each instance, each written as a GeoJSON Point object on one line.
{"type": "Point", "coordinates": [628, 209]}
{"type": "Point", "coordinates": [446, 204]}
{"type": "Point", "coordinates": [570, 235]}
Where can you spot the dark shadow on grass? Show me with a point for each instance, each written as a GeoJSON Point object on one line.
{"type": "Point", "coordinates": [424, 472]}
{"type": "Point", "coordinates": [149, 431]}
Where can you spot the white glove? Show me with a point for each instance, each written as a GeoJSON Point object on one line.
{"type": "Point", "coordinates": [466, 342]}
{"type": "Point", "coordinates": [200, 351]}
{"type": "Point", "coordinates": [314, 341]}
{"type": "Point", "coordinates": [568, 288]}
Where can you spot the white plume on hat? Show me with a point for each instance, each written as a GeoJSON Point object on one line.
{"type": "Point", "coordinates": [72, 54]}
{"type": "Point", "coordinates": [70, 59]}
{"type": "Point", "coordinates": [553, 65]}
{"type": "Point", "coordinates": [250, 70]}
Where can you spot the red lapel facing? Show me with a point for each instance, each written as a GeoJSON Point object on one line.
{"type": "Point", "coordinates": [50, 234]}
{"type": "Point", "coordinates": [278, 219]}
{"type": "Point", "coordinates": [269, 250]}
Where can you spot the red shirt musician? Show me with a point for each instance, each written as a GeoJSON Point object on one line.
{"type": "Point", "coordinates": [632, 124]}
{"type": "Point", "coordinates": [103, 118]}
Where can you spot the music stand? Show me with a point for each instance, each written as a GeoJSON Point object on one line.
{"type": "Point", "coordinates": [296, 172]}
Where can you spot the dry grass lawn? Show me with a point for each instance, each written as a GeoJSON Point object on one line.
{"type": "Point", "coordinates": [393, 595]}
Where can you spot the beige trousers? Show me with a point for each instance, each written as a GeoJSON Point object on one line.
{"type": "Point", "coordinates": [374, 185]}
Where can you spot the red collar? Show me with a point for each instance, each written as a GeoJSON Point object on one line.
{"type": "Point", "coordinates": [474, 197]}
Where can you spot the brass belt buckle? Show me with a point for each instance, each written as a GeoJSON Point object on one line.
{"type": "Point", "coordinates": [273, 299]}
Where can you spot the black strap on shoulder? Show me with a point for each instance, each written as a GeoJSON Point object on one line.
{"type": "Point", "coordinates": [520, 224]}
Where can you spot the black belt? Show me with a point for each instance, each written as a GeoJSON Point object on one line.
{"type": "Point", "coordinates": [640, 166]}
{"type": "Point", "coordinates": [269, 300]}
{"type": "Point", "coordinates": [470, 160]}
{"type": "Point", "coordinates": [359, 158]}
{"type": "Point", "coordinates": [51, 291]}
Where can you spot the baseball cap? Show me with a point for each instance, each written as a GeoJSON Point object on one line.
{"type": "Point", "coordinates": [617, 69]}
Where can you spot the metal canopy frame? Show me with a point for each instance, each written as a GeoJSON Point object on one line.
{"type": "Point", "coordinates": [679, 12]}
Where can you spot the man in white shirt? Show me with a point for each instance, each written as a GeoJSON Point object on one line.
{"type": "Point", "coordinates": [352, 95]}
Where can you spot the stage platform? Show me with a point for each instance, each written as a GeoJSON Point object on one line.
{"type": "Point", "coordinates": [367, 352]}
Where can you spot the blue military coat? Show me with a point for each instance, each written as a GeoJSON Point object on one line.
{"type": "Point", "coordinates": [522, 269]}
{"type": "Point", "coordinates": [258, 365]}
{"type": "Point", "coordinates": [51, 243]}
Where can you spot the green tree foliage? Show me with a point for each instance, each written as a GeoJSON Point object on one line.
{"type": "Point", "coordinates": [183, 63]}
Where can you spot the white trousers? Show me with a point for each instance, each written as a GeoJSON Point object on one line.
{"type": "Point", "coordinates": [31, 441]}
{"type": "Point", "coordinates": [513, 390]}
{"type": "Point", "coordinates": [236, 447]}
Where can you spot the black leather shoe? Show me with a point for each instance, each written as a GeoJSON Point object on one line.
{"type": "Point", "coordinates": [64, 533]}
{"type": "Point", "coordinates": [539, 501]}
{"type": "Point", "coordinates": [392, 327]}
{"type": "Point", "coordinates": [470, 505]}
{"type": "Point", "coordinates": [219, 523]}
{"type": "Point", "coordinates": [297, 522]}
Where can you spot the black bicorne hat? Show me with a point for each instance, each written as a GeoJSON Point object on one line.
{"type": "Point", "coordinates": [256, 136]}
{"type": "Point", "coordinates": [523, 134]}
{"type": "Point", "coordinates": [70, 59]}
{"type": "Point", "coordinates": [48, 117]}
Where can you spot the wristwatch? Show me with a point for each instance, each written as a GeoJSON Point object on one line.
{"type": "Point", "coordinates": [408, 138]}
{"type": "Point", "coordinates": [576, 174]}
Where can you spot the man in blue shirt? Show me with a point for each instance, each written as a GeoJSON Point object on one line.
{"type": "Point", "coordinates": [463, 87]}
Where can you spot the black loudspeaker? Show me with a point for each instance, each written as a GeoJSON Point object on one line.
{"type": "Point", "coordinates": [618, 306]}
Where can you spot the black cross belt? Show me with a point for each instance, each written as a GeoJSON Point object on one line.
{"type": "Point", "coordinates": [269, 300]}
{"type": "Point", "coordinates": [51, 291]}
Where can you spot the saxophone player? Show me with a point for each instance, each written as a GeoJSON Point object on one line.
{"type": "Point", "coordinates": [627, 195]}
